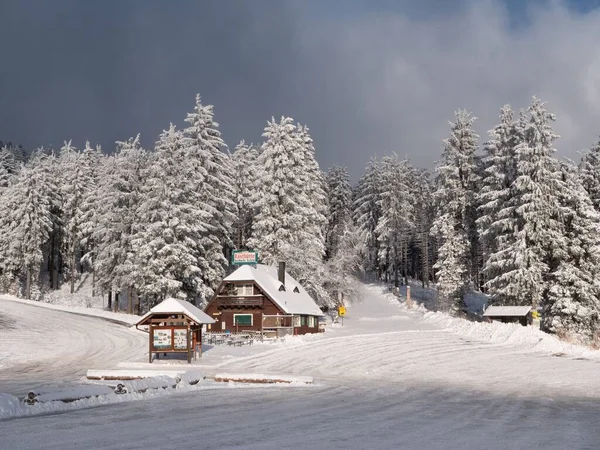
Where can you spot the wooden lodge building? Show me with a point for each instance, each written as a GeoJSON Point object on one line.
{"type": "Point", "coordinates": [263, 299]}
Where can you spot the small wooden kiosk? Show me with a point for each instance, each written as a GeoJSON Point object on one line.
{"type": "Point", "coordinates": [509, 314]}
{"type": "Point", "coordinates": [175, 326]}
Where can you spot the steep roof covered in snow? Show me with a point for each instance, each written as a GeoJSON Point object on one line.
{"type": "Point", "coordinates": [266, 278]}
{"type": "Point", "coordinates": [176, 306]}
{"type": "Point", "coordinates": [501, 311]}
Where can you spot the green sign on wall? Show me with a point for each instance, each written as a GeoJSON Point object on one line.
{"type": "Point", "coordinates": [241, 257]}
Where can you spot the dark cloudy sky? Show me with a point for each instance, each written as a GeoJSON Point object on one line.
{"type": "Point", "coordinates": [368, 77]}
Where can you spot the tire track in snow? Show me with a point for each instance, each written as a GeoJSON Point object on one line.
{"type": "Point", "coordinates": [50, 348]}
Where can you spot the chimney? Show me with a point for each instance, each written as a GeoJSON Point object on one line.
{"type": "Point", "coordinates": [281, 273]}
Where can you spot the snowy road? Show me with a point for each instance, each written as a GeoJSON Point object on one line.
{"type": "Point", "coordinates": [369, 416]}
{"type": "Point", "coordinates": [389, 378]}
{"type": "Point", "coordinates": [45, 348]}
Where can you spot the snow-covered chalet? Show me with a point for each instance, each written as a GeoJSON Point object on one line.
{"type": "Point", "coordinates": [263, 299]}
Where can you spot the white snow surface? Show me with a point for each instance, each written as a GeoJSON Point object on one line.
{"type": "Point", "coordinates": [176, 306]}
{"type": "Point", "coordinates": [266, 277]}
{"type": "Point", "coordinates": [76, 308]}
{"type": "Point", "coordinates": [390, 377]}
{"type": "Point", "coordinates": [495, 311]}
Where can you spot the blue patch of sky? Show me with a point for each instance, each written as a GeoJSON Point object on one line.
{"type": "Point", "coordinates": [520, 11]}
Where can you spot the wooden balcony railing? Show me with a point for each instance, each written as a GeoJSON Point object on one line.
{"type": "Point", "coordinates": [224, 302]}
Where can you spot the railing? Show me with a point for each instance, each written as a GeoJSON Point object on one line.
{"type": "Point", "coordinates": [237, 302]}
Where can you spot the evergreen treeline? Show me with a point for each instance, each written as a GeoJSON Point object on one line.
{"type": "Point", "coordinates": [505, 217]}
{"type": "Point", "coordinates": [149, 224]}
{"type": "Point", "coordinates": [513, 221]}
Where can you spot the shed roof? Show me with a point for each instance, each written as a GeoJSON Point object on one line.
{"type": "Point", "coordinates": [266, 278]}
{"type": "Point", "coordinates": [504, 311]}
{"type": "Point", "coordinates": [176, 306]}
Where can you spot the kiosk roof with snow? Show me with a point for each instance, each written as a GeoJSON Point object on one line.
{"type": "Point", "coordinates": [507, 311]}
{"type": "Point", "coordinates": [173, 306]}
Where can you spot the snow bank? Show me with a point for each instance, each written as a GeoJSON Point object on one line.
{"type": "Point", "coordinates": [127, 319]}
{"type": "Point", "coordinates": [132, 374]}
{"type": "Point", "coordinates": [262, 378]}
{"type": "Point", "coordinates": [97, 395]}
{"type": "Point", "coordinates": [527, 339]}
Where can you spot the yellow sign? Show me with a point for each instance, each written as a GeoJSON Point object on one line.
{"type": "Point", "coordinates": [341, 311]}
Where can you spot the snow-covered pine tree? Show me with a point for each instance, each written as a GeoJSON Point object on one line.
{"type": "Point", "coordinates": [341, 269]}
{"type": "Point", "coordinates": [589, 169]}
{"type": "Point", "coordinates": [396, 222]}
{"type": "Point", "coordinates": [366, 214]}
{"type": "Point", "coordinates": [455, 220]}
{"type": "Point", "coordinates": [74, 185]}
{"type": "Point", "coordinates": [167, 243]}
{"type": "Point", "coordinates": [92, 161]}
{"type": "Point", "coordinates": [311, 272]}
{"type": "Point", "coordinates": [288, 225]}
{"type": "Point", "coordinates": [246, 178]}
{"type": "Point", "coordinates": [119, 199]}
{"type": "Point", "coordinates": [572, 304]}
{"type": "Point", "coordinates": [454, 196]}
{"type": "Point", "coordinates": [499, 174]}
{"type": "Point", "coordinates": [8, 167]}
{"type": "Point", "coordinates": [522, 258]}
{"type": "Point", "coordinates": [26, 223]}
{"type": "Point", "coordinates": [424, 212]}
{"type": "Point", "coordinates": [212, 177]}
{"type": "Point", "coordinates": [340, 207]}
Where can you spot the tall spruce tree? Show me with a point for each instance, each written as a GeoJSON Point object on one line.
{"type": "Point", "coordinates": [523, 257]}
{"type": "Point", "coordinates": [455, 199]}
{"type": "Point", "coordinates": [340, 207]}
{"type": "Point", "coordinates": [247, 175]}
{"type": "Point", "coordinates": [120, 195]}
{"type": "Point", "coordinates": [366, 214]}
{"type": "Point", "coordinates": [396, 222]}
{"type": "Point", "coordinates": [212, 176]}
{"type": "Point", "coordinates": [290, 219]}
{"type": "Point", "coordinates": [499, 174]}
{"type": "Point", "coordinates": [27, 222]}
{"type": "Point", "coordinates": [167, 242]}
{"type": "Point", "coordinates": [572, 303]}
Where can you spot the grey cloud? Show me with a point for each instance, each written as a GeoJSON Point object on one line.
{"type": "Point", "coordinates": [366, 79]}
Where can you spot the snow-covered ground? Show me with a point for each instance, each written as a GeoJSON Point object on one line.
{"type": "Point", "coordinates": [390, 377]}
{"type": "Point", "coordinates": [46, 347]}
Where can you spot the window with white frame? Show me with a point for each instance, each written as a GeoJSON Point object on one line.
{"type": "Point", "coordinates": [244, 290]}
{"type": "Point", "coordinates": [243, 320]}
{"type": "Point", "coordinates": [311, 321]}
{"type": "Point", "coordinates": [296, 321]}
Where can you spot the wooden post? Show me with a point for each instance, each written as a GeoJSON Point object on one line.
{"type": "Point", "coordinates": [150, 337]}
{"type": "Point", "coordinates": [188, 336]}
{"type": "Point", "coordinates": [408, 300]}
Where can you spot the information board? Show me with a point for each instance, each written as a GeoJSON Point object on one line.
{"type": "Point", "coordinates": [180, 337]}
{"type": "Point", "coordinates": [162, 339]}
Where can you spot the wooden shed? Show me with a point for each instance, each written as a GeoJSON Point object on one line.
{"type": "Point", "coordinates": [509, 314]}
{"type": "Point", "coordinates": [175, 326]}
{"type": "Point", "coordinates": [263, 299]}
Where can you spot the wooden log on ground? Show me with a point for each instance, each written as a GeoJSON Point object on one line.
{"type": "Point", "coordinates": [262, 378]}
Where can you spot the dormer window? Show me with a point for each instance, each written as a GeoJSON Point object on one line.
{"type": "Point", "coordinates": [282, 288]}
{"type": "Point", "coordinates": [296, 290]}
